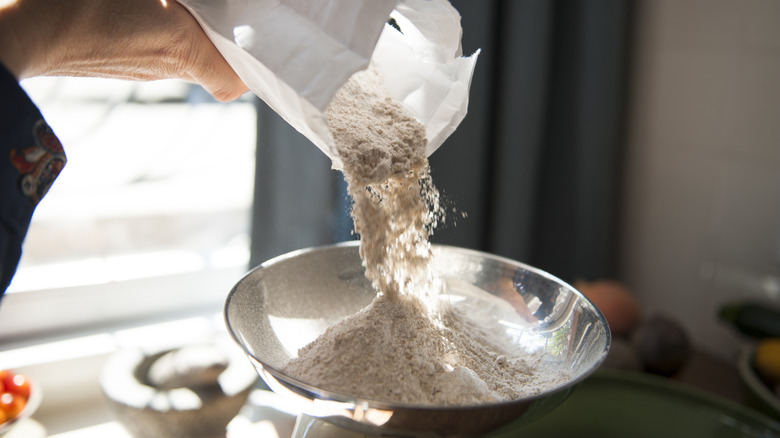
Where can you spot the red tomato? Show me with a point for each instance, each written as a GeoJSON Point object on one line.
{"type": "Point", "coordinates": [5, 376]}
{"type": "Point", "coordinates": [615, 301]}
{"type": "Point", "coordinates": [11, 404]}
{"type": "Point", "coordinates": [19, 385]}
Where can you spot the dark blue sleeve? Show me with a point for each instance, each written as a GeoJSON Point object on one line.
{"type": "Point", "coordinates": [31, 157]}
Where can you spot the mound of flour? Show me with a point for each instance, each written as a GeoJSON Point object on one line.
{"type": "Point", "coordinates": [393, 352]}
{"type": "Point", "coordinates": [404, 347]}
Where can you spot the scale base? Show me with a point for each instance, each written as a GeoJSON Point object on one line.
{"type": "Point", "coordinates": [307, 426]}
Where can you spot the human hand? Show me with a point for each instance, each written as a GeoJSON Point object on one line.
{"type": "Point", "coordinates": [128, 39]}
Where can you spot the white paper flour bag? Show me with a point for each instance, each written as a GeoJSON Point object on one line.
{"type": "Point", "coordinates": [295, 55]}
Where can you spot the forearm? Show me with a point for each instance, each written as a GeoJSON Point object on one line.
{"type": "Point", "coordinates": [128, 39]}
{"type": "Point", "coordinates": [33, 34]}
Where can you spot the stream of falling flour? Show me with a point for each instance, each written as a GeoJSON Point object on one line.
{"type": "Point", "coordinates": [395, 205]}
{"type": "Point", "coordinates": [403, 347]}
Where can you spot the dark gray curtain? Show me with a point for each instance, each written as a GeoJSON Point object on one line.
{"type": "Point", "coordinates": [535, 164]}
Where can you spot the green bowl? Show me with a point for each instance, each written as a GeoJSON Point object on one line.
{"type": "Point", "coordinates": [619, 404]}
{"type": "Point", "coordinates": [757, 395]}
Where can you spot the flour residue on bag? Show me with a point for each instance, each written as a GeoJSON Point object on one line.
{"type": "Point", "coordinates": [404, 347]}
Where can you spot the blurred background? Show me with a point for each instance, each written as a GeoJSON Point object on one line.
{"type": "Point", "coordinates": [633, 140]}
{"type": "Point", "coordinates": [630, 140]}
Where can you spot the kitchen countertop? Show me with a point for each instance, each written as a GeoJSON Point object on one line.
{"type": "Point", "coordinates": [266, 412]}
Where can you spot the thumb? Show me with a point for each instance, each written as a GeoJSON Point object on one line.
{"type": "Point", "coordinates": [207, 67]}
{"type": "Point", "coordinates": [215, 75]}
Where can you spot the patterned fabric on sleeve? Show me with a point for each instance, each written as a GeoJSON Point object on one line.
{"type": "Point", "coordinates": [31, 158]}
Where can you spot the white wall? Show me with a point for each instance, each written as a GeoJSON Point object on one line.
{"type": "Point", "coordinates": [702, 194]}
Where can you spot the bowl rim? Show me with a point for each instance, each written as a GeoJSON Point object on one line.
{"type": "Point", "coordinates": [751, 379]}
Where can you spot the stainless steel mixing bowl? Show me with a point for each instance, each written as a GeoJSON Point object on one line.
{"type": "Point", "coordinates": [287, 302]}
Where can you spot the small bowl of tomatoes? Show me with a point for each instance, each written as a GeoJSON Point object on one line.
{"type": "Point", "coordinates": [19, 398]}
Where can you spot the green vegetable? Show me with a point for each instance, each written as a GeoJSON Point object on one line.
{"type": "Point", "coordinates": [752, 319]}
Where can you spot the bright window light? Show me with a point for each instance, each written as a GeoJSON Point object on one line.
{"type": "Point", "coordinates": [159, 184]}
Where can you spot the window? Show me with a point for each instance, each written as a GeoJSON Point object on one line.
{"type": "Point", "coordinates": [151, 214]}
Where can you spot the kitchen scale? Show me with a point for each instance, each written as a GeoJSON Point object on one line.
{"type": "Point", "coordinates": [288, 301]}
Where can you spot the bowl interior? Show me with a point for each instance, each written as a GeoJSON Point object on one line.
{"type": "Point", "coordinates": [289, 301]}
